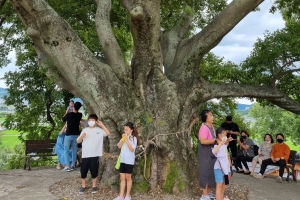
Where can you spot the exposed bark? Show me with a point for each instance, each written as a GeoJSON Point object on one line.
{"type": "Point", "coordinates": [264, 92]}
{"type": "Point", "coordinates": [161, 105]}
{"type": "Point", "coordinates": [171, 39]}
{"type": "Point", "coordinates": [111, 49]}
{"type": "Point", "coordinates": [2, 2]}
{"type": "Point", "coordinates": [49, 118]}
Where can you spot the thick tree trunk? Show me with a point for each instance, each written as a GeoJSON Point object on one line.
{"type": "Point", "coordinates": [161, 105]}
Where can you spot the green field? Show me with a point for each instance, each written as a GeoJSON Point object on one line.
{"type": "Point", "coordinates": [292, 146]}
{"type": "Point", "coordinates": [10, 138]}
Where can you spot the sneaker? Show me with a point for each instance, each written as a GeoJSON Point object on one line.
{"type": "Point", "coordinates": [226, 198]}
{"type": "Point", "coordinates": [257, 175]}
{"type": "Point", "coordinates": [67, 169]}
{"type": "Point", "coordinates": [72, 168]}
{"type": "Point", "coordinates": [205, 197]}
{"type": "Point", "coordinates": [127, 198]}
{"type": "Point", "coordinates": [94, 190]}
{"type": "Point", "coordinates": [81, 191]}
{"type": "Point", "coordinates": [119, 198]}
{"type": "Point", "coordinates": [279, 179]}
{"type": "Point", "coordinates": [212, 195]}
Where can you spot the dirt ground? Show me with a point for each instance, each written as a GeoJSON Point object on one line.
{"type": "Point", "coordinates": [51, 184]}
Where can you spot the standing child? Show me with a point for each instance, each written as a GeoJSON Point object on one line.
{"type": "Point", "coordinates": [127, 145]}
{"type": "Point", "coordinates": [222, 165]}
{"type": "Point", "coordinates": [92, 146]}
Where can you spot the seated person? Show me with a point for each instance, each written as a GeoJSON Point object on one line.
{"type": "Point", "coordinates": [279, 156]}
{"type": "Point", "coordinates": [247, 155]}
{"type": "Point", "coordinates": [264, 151]}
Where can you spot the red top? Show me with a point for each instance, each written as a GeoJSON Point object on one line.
{"type": "Point", "coordinates": [281, 150]}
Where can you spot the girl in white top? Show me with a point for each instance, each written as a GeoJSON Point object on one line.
{"type": "Point", "coordinates": [127, 145]}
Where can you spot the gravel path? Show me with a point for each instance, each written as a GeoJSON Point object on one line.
{"type": "Point", "coordinates": [43, 183]}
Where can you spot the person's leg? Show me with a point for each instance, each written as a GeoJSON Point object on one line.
{"type": "Point", "coordinates": [74, 150]}
{"type": "Point", "coordinates": [264, 165]}
{"type": "Point", "coordinates": [122, 184]}
{"type": "Point", "coordinates": [244, 160]}
{"type": "Point", "coordinates": [282, 165]}
{"type": "Point", "coordinates": [67, 143]}
{"type": "Point", "coordinates": [233, 148]}
{"type": "Point", "coordinates": [94, 170]}
{"type": "Point", "coordinates": [254, 162]}
{"type": "Point", "coordinates": [219, 190]}
{"type": "Point", "coordinates": [223, 190]}
{"type": "Point", "coordinates": [238, 164]}
{"type": "Point", "coordinates": [84, 168]}
{"type": "Point", "coordinates": [128, 184]}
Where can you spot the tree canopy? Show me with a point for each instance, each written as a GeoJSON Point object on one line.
{"type": "Point", "coordinates": [149, 62]}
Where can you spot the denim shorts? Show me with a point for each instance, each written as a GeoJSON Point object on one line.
{"type": "Point", "coordinates": [219, 176]}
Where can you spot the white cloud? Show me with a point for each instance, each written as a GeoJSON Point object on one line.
{"type": "Point", "coordinates": [9, 67]}
{"type": "Point", "coordinates": [238, 43]}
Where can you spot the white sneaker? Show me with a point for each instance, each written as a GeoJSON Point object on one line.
{"type": "Point", "coordinates": [279, 179]}
{"type": "Point", "coordinates": [205, 197]}
{"type": "Point", "coordinates": [257, 175]}
{"type": "Point", "coordinates": [127, 198]}
{"type": "Point", "coordinates": [212, 195]}
{"type": "Point", "coordinates": [119, 198]}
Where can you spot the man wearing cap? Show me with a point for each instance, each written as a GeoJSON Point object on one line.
{"type": "Point", "coordinates": [233, 131]}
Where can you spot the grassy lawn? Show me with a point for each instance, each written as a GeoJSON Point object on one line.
{"type": "Point", "coordinates": [10, 132]}
{"type": "Point", "coordinates": [10, 141]}
{"type": "Point", "coordinates": [292, 146]}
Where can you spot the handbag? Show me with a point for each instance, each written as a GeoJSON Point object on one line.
{"type": "Point", "coordinates": [226, 177]}
{"type": "Point", "coordinates": [118, 162]}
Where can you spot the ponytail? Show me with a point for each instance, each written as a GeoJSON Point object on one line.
{"type": "Point", "coordinates": [135, 134]}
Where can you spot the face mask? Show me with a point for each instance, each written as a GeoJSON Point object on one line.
{"type": "Point", "coordinates": [224, 138]}
{"type": "Point", "coordinates": [268, 142]}
{"type": "Point", "coordinates": [91, 123]}
{"type": "Point", "coordinates": [244, 137]}
{"type": "Point", "coordinates": [280, 140]}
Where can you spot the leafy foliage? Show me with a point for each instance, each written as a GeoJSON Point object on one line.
{"type": "Point", "coordinates": [273, 120]}
{"type": "Point", "coordinates": [39, 104]}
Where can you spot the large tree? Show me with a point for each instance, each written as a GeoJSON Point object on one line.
{"type": "Point", "coordinates": [157, 85]}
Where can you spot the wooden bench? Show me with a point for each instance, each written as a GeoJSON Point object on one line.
{"type": "Point", "coordinates": [290, 168]}
{"type": "Point", "coordinates": [38, 148]}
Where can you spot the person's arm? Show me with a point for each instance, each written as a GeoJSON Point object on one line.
{"type": "Point", "coordinates": [82, 135]}
{"type": "Point", "coordinates": [103, 127]}
{"type": "Point", "coordinates": [64, 119]}
{"type": "Point", "coordinates": [203, 135]}
{"type": "Point", "coordinates": [63, 130]}
{"type": "Point", "coordinates": [243, 146]}
{"type": "Point", "coordinates": [217, 148]}
{"type": "Point", "coordinates": [286, 153]}
{"type": "Point", "coordinates": [273, 154]}
{"type": "Point", "coordinates": [120, 144]}
{"type": "Point", "coordinates": [236, 130]}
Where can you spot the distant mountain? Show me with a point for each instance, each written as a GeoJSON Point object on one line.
{"type": "Point", "coordinates": [244, 106]}
{"type": "Point", "coordinates": [3, 92]}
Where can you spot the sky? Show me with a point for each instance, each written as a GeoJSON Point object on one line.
{"type": "Point", "coordinates": [235, 46]}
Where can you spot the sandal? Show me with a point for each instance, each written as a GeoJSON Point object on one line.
{"type": "Point", "coordinates": [240, 171]}
{"type": "Point", "coordinates": [247, 173]}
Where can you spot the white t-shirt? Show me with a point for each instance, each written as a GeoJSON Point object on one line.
{"type": "Point", "coordinates": [92, 144]}
{"type": "Point", "coordinates": [127, 156]}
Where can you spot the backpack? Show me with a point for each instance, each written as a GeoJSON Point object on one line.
{"type": "Point", "coordinates": [255, 149]}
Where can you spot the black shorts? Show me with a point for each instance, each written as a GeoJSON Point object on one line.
{"type": "Point", "coordinates": [91, 164]}
{"type": "Point", "coordinates": [126, 168]}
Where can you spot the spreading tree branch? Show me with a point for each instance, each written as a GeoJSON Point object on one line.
{"type": "Point", "coordinates": [128, 4]}
{"type": "Point", "coordinates": [263, 92]}
{"type": "Point", "coordinates": [111, 49]}
{"type": "Point", "coordinates": [52, 36]}
{"type": "Point", "coordinates": [171, 39]}
{"type": "Point", "coordinates": [190, 52]}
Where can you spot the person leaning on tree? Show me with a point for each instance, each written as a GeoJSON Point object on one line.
{"type": "Point", "coordinates": [233, 131]}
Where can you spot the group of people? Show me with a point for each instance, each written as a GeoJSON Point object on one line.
{"type": "Point", "coordinates": [91, 139]}
{"type": "Point", "coordinates": [215, 161]}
